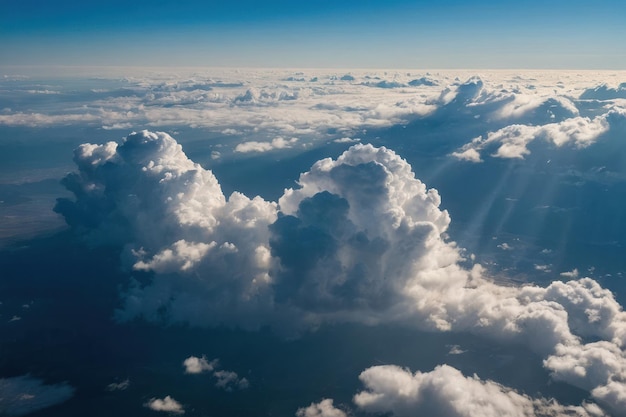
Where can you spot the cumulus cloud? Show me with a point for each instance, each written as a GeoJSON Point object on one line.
{"type": "Point", "coordinates": [24, 395]}
{"type": "Point", "coordinates": [276, 143]}
{"type": "Point", "coordinates": [226, 380]}
{"type": "Point", "coordinates": [604, 92]}
{"type": "Point", "coordinates": [359, 240]}
{"type": "Point", "coordinates": [167, 404]}
{"type": "Point", "coordinates": [324, 408]}
{"type": "Point", "coordinates": [512, 141]}
{"type": "Point", "coordinates": [229, 380]}
{"type": "Point", "coordinates": [445, 391]}
{"type": "Point", "coordinates": [196, 365]}
{"type": "Point", "coordinates": [173, 219]}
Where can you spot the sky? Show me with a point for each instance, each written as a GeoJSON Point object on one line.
{"type": "Point", "coordinates": [286, 209]}
{"type": "Point", "coordinates": [349, 34]}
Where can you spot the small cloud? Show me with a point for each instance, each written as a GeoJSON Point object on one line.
{"type": "Point", "coordinates": [15, 318]}
{"type": "Point", "coordinates": [119, 386]}
{"type": "Point", "coordinates": [195, 365]}
{"type": "Point", "coordinates": [254, 146]}
{"type": "Point", "coordinates": [543, 268]}
{"type": "Point", "coordinates": [505, 246]}
{"type": "Point", "coordinates": [215, 155]}
{"type": "Point", "coordinates": [346, 140]}
{"type": "Point", "coordinates": [324, 408]}
{"type": "Point", "coordinates": [570, 274]}
{"type": "Point", "coordinates": [229, 380]}
{"type": "Point", "coordinates": [470, 155]}
{"type": "Point", "coordinates": [167, 404]}
{"type": "Point", "coordinates": [456, 350]}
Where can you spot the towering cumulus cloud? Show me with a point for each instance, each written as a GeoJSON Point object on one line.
{"type": "Point", "coordinates": [355, 235]}
{"type": "Point", "coordinates": [210, 254]}
{"type": "Point", "coordinates": [360, 240]}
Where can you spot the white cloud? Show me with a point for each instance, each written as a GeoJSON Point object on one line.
{"type": "Point", "coordinates": [346, 140]}
{"type": "Point", "coordinates": [468, 154]}
{"type": "Point", "coordinates": [324, 408]}
{"type": "Point", "coordinates": [512, 141]}
{"type": "Point", "coordinates": [570, 274]}
{"type": "Point", "coordinates": [276, 143]}
{"type": "Point", "coordinates": [24, 395]}
{"type": "Point", "coordinates": [167, 404]}
{"type": "Point", "coordinates": [446, 392]}
{"type": "Point", "coordinates": [196, 365]}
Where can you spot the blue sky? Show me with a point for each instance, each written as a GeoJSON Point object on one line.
{"type": "Point", "coordinates": [283, 33]}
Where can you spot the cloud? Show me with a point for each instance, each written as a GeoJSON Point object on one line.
{"type": "Point", "coordinates": [445, 391]}
{"type": "Point", "coordinates": [570, 274]}
{"type": "Point", "coordinates": [229, 380]}
{"type": "Point", "coordinates": [23, 395]}
{"type": "Point", "coordinates": [119, 386]}
{"type": "Point", "coordinates": [324, 408]}
{"type": "Point", "coordinates": [195, 365]}
{"type": "Point", "coordinates": [346, 140]}
{"type": "Point", "coordinates": [254, 146]}
{"type": "Point", "coordinates": [512, 141]}
{"type": "Point", "coordinates": [604, 92]}
{"type": "Point", "coordinates": [172, 217]}
{"type": "Point", "coordinates": [359, 240]}
{"type": "Point", "coordinates": [226, 380]}
{"type": "Point", "coordinates": [167, 404]}
{"type": "Point", "coordinates": [427, 81]}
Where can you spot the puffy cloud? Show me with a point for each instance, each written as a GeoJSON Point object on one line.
{"type": "Point", "coordinates": [173, 218]}
{"type": "Point", "coordinates": [445, 391]}
{"type": "Point", "coordinates": [24, 395]}
{"type": "Point", "coordinates": [604, 92]}
{"type": "Point", "coordinates": [167, 404]}
{"type": "Point", "coordinates": [276, 143]}
{"type": "Point", "coordinates": [355, 233]}
{"type": "Point", "coordinates": [512, 141]}
{"type": "Point", "coordinates": [195, 365]}
{"type": "Point", "coordinates": [324, 408]}
{"type": "Point", "coordinates": [226, 380]}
